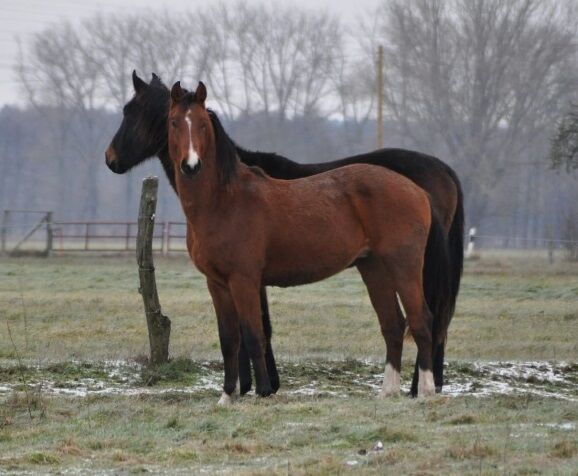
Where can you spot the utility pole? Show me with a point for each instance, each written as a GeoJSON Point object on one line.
{"type": "Point", "coordinates": [380, 97]}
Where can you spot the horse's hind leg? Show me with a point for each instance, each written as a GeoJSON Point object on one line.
{"type": "Point", "coordinates": [438, 365]}
{"type": "Point", "coordinates": [420, 320]}
{"type": "Point", "coordinates": [245, 379]}
{"type": "Point", "coordinates": [382, 295]}
{"type": "Point", "coordinates": [246, 297]}
{"type": "Point", "coordinates": [229, 336]}
{"type": "Point", "coordinates": [438, 370]}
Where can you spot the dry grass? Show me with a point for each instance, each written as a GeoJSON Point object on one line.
{"type": "Point", "coordinates": [87, 308]}
{"type": "Point", "coordinates": [507, 310]}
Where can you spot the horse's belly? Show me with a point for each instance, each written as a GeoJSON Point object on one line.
{"type": "Point", "coordinates": [298, 277]}
{"type": "Point", "coordinates": [305, 268]}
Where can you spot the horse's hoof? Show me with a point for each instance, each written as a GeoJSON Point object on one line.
{"type": "Point", "coordinates": [382, 395]}
{"type": "Point", "coordinates": [244, 388]}
{"type": "Point", "coordinates": [425, 387]}
{"type": "Point", "coordinates": [426, 393]}
{"type": "Point", "coordinates": [275, 384]}
{"type": "Point", "coordinates": [265, 391]}
{"type": "Point", "coordinates": [225, 400]}
{"type": "Point", "coordinates": [438, 389]}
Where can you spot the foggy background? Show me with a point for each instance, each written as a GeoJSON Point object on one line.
{"type": "Point", "coordinates": [481, 84]}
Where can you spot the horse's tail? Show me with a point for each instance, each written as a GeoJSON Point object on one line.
{"type": "Point", "coordinates": [437, 286]}
{"type": "Point", "coordinates": [456, 245]}
{"type": "Point", "coordinates": [438, 280]}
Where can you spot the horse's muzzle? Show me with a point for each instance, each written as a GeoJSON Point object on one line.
{"type": "Point", "coordinates": [111, 160]}
{"type": "Point", "coordinates": [189, 171]}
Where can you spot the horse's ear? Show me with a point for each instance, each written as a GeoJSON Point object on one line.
{"type": "Point", "coordinates": [138, 83]}
{"type": "Point", "coordinates": [177, 92]}
{"type": "Point", "coordinates": [201, 93]}
{"type": "Point", "coordinates": [155, 79]}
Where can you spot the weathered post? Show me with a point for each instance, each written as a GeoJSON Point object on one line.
{"type": "Point", "coordinates": [4, 231]}
{"type": "Point", "coordinates": [159, 326]}
{"type": "Point", "coordinates": [49, 233]}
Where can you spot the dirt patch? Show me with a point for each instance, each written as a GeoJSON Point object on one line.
{"type": "Point", "coordinates": [317, 379]}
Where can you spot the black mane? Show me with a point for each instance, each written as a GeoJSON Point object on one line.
{"type": "Point", "coordinates": [156, 111]}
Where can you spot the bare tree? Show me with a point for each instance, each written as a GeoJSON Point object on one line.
{"type": "Point", "coordinates": [57, 71]}
{"type": "Point", "coordinates": [278, 61]}
{"type": "Point", "coordinates": [564, 150]}
{"type": "Point", "coordinates": [484, 77]}
{"type": "Point", "coordinates": [354, 84]}
{"type": "Point", "coordinates": [85, 67]}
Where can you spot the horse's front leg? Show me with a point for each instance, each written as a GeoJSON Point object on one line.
{"type": "Point", "coordinates": [269, 357]}
{"type": "Point", "coordinates": [229, 336]}
{"type": "Point", "coordinates": [246, 296]}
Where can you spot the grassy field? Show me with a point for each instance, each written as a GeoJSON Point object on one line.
{"type": "Point", "coordinates": [81, 400]}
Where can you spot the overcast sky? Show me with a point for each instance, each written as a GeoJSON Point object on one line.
{"type": "Point", "coordinates": [22, 18]}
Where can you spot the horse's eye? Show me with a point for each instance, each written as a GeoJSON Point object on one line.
{"type": "Point", "coordinates": [203, 126]}
{"type": "Point", "coordinates": [173, 123]}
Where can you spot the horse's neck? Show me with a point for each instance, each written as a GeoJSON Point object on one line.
{"type": "Point", "coordinates": [201, 194]}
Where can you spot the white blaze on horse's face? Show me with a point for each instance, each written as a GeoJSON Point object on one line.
{"type": "Point", "coordinates": [192, 156]}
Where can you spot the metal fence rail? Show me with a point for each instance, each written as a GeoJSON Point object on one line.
{"type": "Point", "coordinates": [115, 236]}
{"type": "Point", "coordinates": [93, 236]}
{"type": "Point", "coordinates": [38, 234]}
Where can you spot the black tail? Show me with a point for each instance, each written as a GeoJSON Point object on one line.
{"type": "Point", "coordinates": [438, 286]}
{"type": "Point", "coordinates": [456, 246]}
{"type": "Point", "coordinates": [437, 280]}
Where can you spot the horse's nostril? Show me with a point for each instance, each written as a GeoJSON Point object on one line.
{"type": "Point", "coordinates": [187, 170]}
{"type": "Point", "coordinates": [110, 155]}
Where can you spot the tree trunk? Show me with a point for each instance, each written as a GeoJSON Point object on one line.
{"type": "Point", "coordinates": [159, 326]}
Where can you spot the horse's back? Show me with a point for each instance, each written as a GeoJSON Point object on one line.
{"type": "Point", "coordinates": [430, 173]}
{"type": "Point", "coordinates": [372, 200]}
{"type": "Point", "coordinates": [369, 183]}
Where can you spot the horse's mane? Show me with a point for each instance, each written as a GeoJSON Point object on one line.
{"type": "Point", "coordinates": [226, 149]}
{"type": "Point", "coordinates": [156, 109]}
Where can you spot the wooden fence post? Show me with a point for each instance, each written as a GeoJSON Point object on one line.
{"type": "Point", "coordinates": [4, 231]}
{"type": "Point", "coordinates": [159, 326]}
{"type": "Point", "coordinates": [49, 233]}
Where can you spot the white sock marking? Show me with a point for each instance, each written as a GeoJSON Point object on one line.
{"type": "Point", "coordinates": [192, 156]}
{"type": "Point", "coordinates": [425, 387]}
{"type": "Point", "coordinates": [391, 381]}
{"type": "Point", "coordinates": [225, 400]}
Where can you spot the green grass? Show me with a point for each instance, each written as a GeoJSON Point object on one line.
{"type": "Point", "coordinates": [68, 315]}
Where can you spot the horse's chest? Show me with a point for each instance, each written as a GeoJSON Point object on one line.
{"type": "Point", "coordinates": [213, 257]}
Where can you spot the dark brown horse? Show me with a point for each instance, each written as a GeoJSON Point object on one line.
{"type": "Point", "coordinates": [143, 134]}
{"type": "Point", "coordinates": [246, 230]}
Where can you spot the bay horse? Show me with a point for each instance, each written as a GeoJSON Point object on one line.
{"type": "Point", "coordinates": [246, 230]}
{"type": "Point", "coordinates": [143, 134]}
